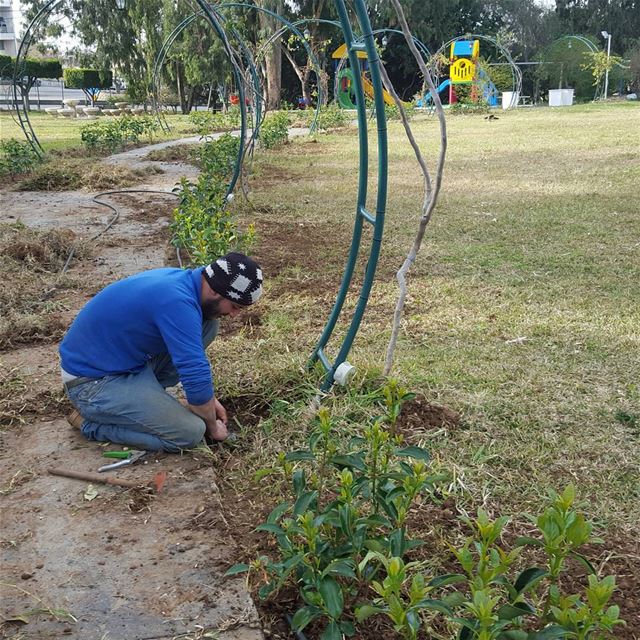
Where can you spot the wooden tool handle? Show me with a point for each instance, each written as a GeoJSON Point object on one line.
{"type": "Point", "coordinates": [94, 477]}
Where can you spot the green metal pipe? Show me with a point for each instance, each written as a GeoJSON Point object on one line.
{"type": "Point", "coordinates": [362, 192]}
{"type": "Point", "coordinates": [381, 199]}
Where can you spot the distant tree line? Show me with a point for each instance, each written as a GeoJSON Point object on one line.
{"type": "Point", "coordinates": [196, 69]}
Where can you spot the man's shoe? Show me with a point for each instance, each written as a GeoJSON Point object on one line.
{"type": "Point", "coordinates": [75, 419]}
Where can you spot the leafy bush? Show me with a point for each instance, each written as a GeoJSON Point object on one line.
{"type": "Point", "coordinates": [6, 66]}
{"type": "Point", "coordinates": [113, 99]}
{"type": "Point", "coordinates": [112, 134]}
{"type": "Point", "coordinates": [203, 225]}
{"type": "Point", "coordinates": [274, 131]}
{"type": "Point", "coordinates": [330, 117]}
{"type": "Point", "coordinates": [217, 158]}
{"type": "Point", "coordinates": [393, 113]}
{"type": "Point", "coordinates": [16, 157]}
{"type": "Point", "coordinates": [87, 78]}
{"type": "Point", "coordinates": [206, 122]}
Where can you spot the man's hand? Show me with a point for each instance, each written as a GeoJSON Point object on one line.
{"type": "Point", "coordinates": [221, 412]}
{"type": "Point", "coordinates": [215, 418]}
{"type": "Point", "coordinates": [217, 432]}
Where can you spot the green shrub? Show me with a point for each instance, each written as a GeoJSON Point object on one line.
{"type": "Point", "coordinates": [108, 135]}
{"type": "Point", "coordinates": [113, 99]}
{"type": "Point", "coordinates": [204, 226]}
{"type": "Point", "coordinates": [329, 117]}
{"type": "Point", "coordinates": [217, 158]}
{"type": "Point", "coordinates": [274, 131]}
{"type": "Point", "coordinates": [206, 122]}
{"type": "Point", "coordinates": [16, 157]}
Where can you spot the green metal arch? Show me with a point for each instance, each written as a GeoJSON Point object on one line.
{"type": "Point", "coordinates": [160, 58]}
{"type": "Point", "coordinates": [367, 44]}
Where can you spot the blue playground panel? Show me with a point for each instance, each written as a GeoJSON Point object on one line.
{"type": "Point", "coordinates": [463, 48]}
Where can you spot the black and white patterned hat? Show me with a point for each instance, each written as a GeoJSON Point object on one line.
{"type": "Point", "coordinates": [235, 277]}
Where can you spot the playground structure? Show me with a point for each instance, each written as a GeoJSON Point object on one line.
{"type": "Point", "coordinates": [465, 69]}
{"type": "Point", "coordinates": [345, 86]}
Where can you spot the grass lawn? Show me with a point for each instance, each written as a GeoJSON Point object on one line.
{"type": "Point", "coordinates": [58, 134]}
{"type": "Point", "coordinates": [523, 312]}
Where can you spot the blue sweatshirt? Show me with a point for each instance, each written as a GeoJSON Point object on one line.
{"type": "Point", "coordinates": [131, 321]}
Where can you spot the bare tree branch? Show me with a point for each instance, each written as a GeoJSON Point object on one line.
{"type": "Point", "coordinates": [431, 190]}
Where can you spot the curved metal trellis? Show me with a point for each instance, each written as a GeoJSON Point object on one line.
{"type": "Point", "coordinates": [365, 42]}
{"type": "Point", "coordinates": [588, 44]}
{"type": "Point", "coordinates": [238, 72]}
{"type": "Point", "coordinates": [422, 47]}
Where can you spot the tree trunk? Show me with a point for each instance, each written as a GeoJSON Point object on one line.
{"type": "Point", "coordinates": [303, 74]}
{"type": "Point", "coordinates": [180, 87]}
{"type": "Point", "coordinates": [273, 57]}
{"type": "Point", "coordinates": [273, 65]}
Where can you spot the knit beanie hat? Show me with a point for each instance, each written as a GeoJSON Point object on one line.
{"type": "Point", "coordinates": [235, 277]}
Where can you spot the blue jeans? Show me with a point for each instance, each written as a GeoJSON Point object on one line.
{"type": "Point", "coordinates": [135, 410]}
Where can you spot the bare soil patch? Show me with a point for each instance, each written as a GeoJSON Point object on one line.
{"type": "Point", "coordinates": [290, 251]}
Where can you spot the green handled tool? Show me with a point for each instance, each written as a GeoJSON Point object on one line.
{"type": "Point", "coordinates": [125, 458]}
{"type": "Point", "coordinates": [121, 455]}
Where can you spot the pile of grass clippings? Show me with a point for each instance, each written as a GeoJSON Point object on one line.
{"type": "Point", "coordinates": [30, 266]}
{"type": "Point", "coordinates": [185, 153]}
{"type": "Point", "coordinates": [74, 173]}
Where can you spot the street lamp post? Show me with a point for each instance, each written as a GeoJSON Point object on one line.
{"type": "Point", "coordinates": [607, 35]}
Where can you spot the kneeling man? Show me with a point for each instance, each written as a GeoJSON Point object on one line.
{"type": "Point", "coordinates": [143, 334]}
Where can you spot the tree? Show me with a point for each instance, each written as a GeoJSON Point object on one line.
{"type": "Point", "coordinates": [91, 81]}
{"type": "Point", "coordinates": [320, 38]}
{"type": "Point", "coordinates": [621, 18]}
{"type": "Point", "coordinates": [273, 56]}
{"type": "Point", "coordinates": [634, 67]}
{"type": "Point", "coordinates": [6, 66]}
{"type": "Point", "coordinates": [34, 69]}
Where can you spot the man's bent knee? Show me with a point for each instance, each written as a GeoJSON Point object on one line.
{"type": "Point", "coordinates": [189, 436]}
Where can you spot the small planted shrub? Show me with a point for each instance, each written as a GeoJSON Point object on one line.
{"type": "Point", "coordinates": [274, 131]}
{"type": "Point", "coordinates": [218, 157]}
{"type": "Point", "coordinates": [16, 157]}
{"type": "Point", "coordinates": [329, 117]}
{"type": "Point", "coordinates": [206, 122]}
{"type": "Point", "coordinates": [204, 227]}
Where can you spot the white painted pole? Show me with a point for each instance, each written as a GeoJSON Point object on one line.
{"type": "Point", "coordinates": [606, 75]}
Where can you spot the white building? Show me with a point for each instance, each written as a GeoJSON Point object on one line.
{"type": "Point", "coordinates": [8, 35]}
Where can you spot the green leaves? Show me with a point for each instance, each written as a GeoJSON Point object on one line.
{"type": "Point", "coordinates": [236, 568]}
{"type": "Point", "coordinates": [332, 596]}
{"type": "Point", "coordinates": [274, 132]}
{"type": "Point", "coordinates": [304, 616]}
{"type": "Point", "coordinates": [529, 578]}
{"type": "Point", "coordinates": [414, 452]}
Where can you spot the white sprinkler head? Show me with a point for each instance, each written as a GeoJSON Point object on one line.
{"type": "Point", "coordinates": [344, 374]}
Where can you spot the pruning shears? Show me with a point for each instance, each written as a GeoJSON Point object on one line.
{"type": "Point", "coordinates": [125, 458]}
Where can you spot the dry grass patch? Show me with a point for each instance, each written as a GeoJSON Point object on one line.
{"type": "Point", "coordinates": [184, 153]}
{"type": "Point", "coordinates": [29, 279]}
{"type": "Point", "coordinates": [73, 173]}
